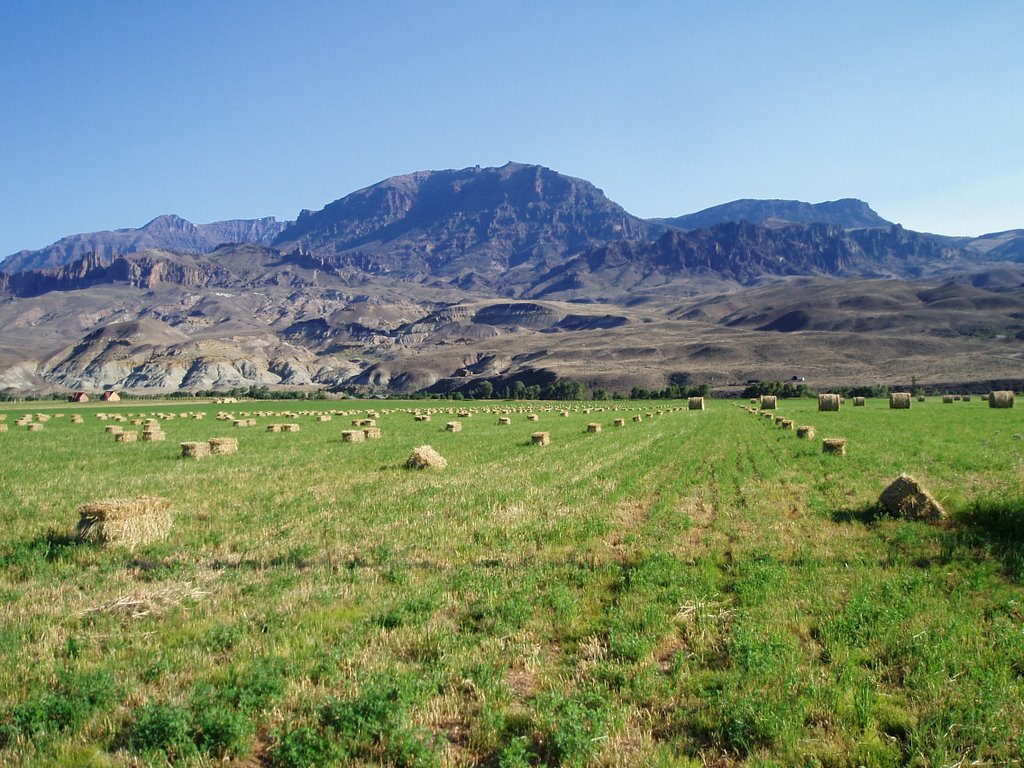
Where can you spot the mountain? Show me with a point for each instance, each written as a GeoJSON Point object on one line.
{"type": "Point", "coordinates": [848, 213]}
{"type": "Point", "coordinates": [461, 223]}
{"type": "Point", "coordinates": [440, 279]}
{"type": "Point", "coordinates": [169, 232]}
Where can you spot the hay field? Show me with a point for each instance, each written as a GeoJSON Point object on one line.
{"type": "Point", "coordinates": [694, 588]}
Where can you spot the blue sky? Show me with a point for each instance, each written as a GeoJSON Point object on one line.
{"type": "Point", "coordinates": [116, 112]}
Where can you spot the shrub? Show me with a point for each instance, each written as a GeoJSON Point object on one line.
{"type": "Point", "coordinates": [304, 747]}
{"type": "Point", "coordinates": [163, 729]}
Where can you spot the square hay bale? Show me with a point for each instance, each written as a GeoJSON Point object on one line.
{"type": "Point", "coordinates": [422, 417]}
{"type": "Point", "coordinates": [223, 446]}
{"type": "Point", "coordinates": [372, 433]}
{"type": "Point", "coordinates": [541, 438]}
{"type": "Point", "coordinates": [128, 522]}
{"type": "Point", "coordinates": [323, 417]}
{"type": "Point", "coordinates": [787, 424]}
{"type": "Point", "coordinates": [900, 400]}
{"type": "Point", "coordinates": [193, 450]}
{"type": "Point", "coordinates": [453, 426]}
{"type": "Point", "coordinates": [129, 436]}
{"type": "Point", "coordinates": [425, 457]}
{"type": "Point", "coordinates": [859, 402]}
{"type": "Point", "coordinates": [274, 427]}
{"type": "Point", "coordinates": [834, 445]}
{"type": "Point", "coordinates": [504, 421]}
{"type": "Point", "coordinates": [947, 399]}
{"type": "Point", "coordinates": [778, 420]}
{"type": "Point", "coordinates": [638, 418]}
{"type": "Point", "coordinates": [154, 436]}
{"type": "Point", "coordinates": [695, 404]}
{"type": "Point", "coordinates": [593, 427]}
{"type": "Point", "coordinates": [904, 497]}
{"type": "Point", "coordinates": [353, 436]}
{"type": "Point", "coordinates": [829, 402]}
{"type": "Point", "coordinates": [36, 426]}
{"type": "Point", "coordinates": [289, 427]}
{"type": "Point", "coordinates": [619, 423]}
{"type": "Point", "coordinates": [805, 432]}
{"type": "Point", "coordinates": [113, 429]}
{"type": "Point", "coordinates": [1001, 399]}
{"type": "Point", "coordinates": [364, 423]}
{"type": "Point", "coordinates": [532, 417]}
{"type": "Point", "coordinates": [768, 402]}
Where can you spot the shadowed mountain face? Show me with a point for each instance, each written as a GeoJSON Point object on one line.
{"type": "Point", "coordinates": [439, 278]}
{"type": "Point", "coordinates": [848, 213]}
{"type": "Point", "coordinates": [170, 232]}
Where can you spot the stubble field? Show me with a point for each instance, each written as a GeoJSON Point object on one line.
{"type": "Point", "coordinates": [696, 588]}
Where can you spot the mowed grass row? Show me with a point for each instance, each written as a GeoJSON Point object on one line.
{"type": "Point", "coordinates": [700, 587]}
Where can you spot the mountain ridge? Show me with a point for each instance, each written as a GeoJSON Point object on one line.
{"type": "Point", "coordinates": [848, 212]}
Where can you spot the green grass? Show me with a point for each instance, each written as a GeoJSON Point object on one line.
{"type": "Point", "coordinates": [697, 588]}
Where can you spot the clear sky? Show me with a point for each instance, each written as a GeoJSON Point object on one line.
{"type": "Point", "coordinates": [114, 112]}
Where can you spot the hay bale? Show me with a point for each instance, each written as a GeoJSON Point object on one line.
{"type": "Point", "coordinates": [859, 402]}
{"type": "Point", "coordinates": [453, 426]}
{"type": "Point", "coordinates": [323, 417]}
{"type": "Point", "coordinates": [947, 399]}
{"type": "Point", "coordinates": [805, 432]}
{"type": "Point", "coordinates": [787, 424]}
{"type": "Point", "coordinates": [956, 398]}
{"type": "Point", "coordinates": [127, 437]}
{"type": "Point", "coordinates": [425, 457]}
{"type": "Point", "coordinates": [593, 427]}
{"type": "Point", "coordinates": [920, 398]}
{"type": "Point", "coordinates": [35, 426]}
{"type": "Point", "coordinates": [76, 419]}
{"type": "Point", "coordinates": [638, 418]}
{"type": "Point", "coordinates": [768, 402]}
{"type": "Point", "coordinates": [154, 436]}
{"type": "Point", "coordinates": [194, 450]}
{"type": "Point", "coordinates": [422, 417]}
{"type": "Point", "coordinates": [829, 402]}
{"type": "Point", "coordinates": [619, 423]}
{"type": "Point", "coordinates": [904, 497]}
{"type": "Point", "coordinates": [967, 398]}
{"type": "Point", "coordinates": [353, 436]}
{"type": "Point", "coordinates": [834, 445]}
{"type": "Point", "coordinates": [1001, 399]}
{"type": "Point", "coordinates": [900, 400]}
{"type": "Point", "coordinates": [541, 438]}
{"type": "Point", "coordinates": [274, 427]}
{"type": "Point", "coordinates": [113, 429]}
{"type": "Point", "coordinates": [694, 404]}
{"type": "Point", "coordinates": [223, 446]}
{"type": "Point", "coordinates": [532, 417]}
{"type": "Point", "coordinates": [504, 421]}
{"type": "Point", "coordinates": [129, 522]}
{"type": "Point", "coordinates": [289, 427]}
{"type": "Point", "coordinates": [372, 433]}
{"type": "Point", "coordinates": [364, 423]}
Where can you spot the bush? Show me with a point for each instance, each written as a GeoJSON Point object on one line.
{"type": "Point", "coordinates": [304, 747]}
{"type": "Point", "coordinates": [223, 732]}
{"type": "Point", "coordinates": [163, 729]}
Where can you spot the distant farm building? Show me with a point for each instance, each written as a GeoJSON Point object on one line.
{"type": "Point", "coordinates": [110, 397]}
{"type": "Point", "coordinates": [78, 397]}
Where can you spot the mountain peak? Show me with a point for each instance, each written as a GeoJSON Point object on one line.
{"type": "Point", "coordinates": [847, 212]}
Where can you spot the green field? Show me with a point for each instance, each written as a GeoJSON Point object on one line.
{"type": "Point", "coordinates": [698, 588]}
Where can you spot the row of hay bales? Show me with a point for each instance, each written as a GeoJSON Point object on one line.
{"type": "Point", "coordinates": [897, 400]}
{"type": "Point", "coordinates": [215, 446]}
{"type": "Point", "coordinates": [830, 445]}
